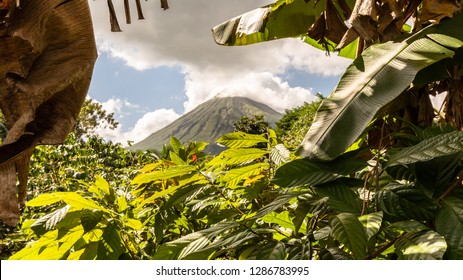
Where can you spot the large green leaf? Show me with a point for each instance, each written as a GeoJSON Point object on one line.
{"type": "Point", "coordinates": [449, 223]}
{"type": "Point", "coordinates": [233, 177]}
{"type": "Point", "coordinates": [172, 172]}
{"type": "Point", "coordinates": [174, 249]}
{"type": "Point", "coordinates": [272, 251]}
{"type": "Point", "coordinates": [282, 19]}
{"type": "Point", "coordinates": [347, 229]}
{"type": "Point", "coordinates": [373, 80]}
{"type": "Point", "coordinates": [237, 156]}
{"type": "Point", "coordinates": [237, 140]}
{"type": "Point", "coordinates": [340, 197]}
{"type": "Point", "coordinates": [282, 219]}
{"type": "Point", "coordinates": [437, 146]}
{"type": "Point", "coordinates": [406, 202]}
{"type": "Point", "coordinates": [427, 245]}
{"type": "Point", "coordinates": [75, 200]}
{"type": "Point", "coordinates": [312, 172]}
{"type": "Point", "coordinates": [53, 245]}
{"type": "Point", "coordinates": [372, 223]}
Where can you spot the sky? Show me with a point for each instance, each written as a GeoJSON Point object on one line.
{"type": "Point", "coordinates": [162, 67]}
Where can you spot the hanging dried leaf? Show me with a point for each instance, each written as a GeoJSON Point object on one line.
{"type": "Point", "coordinates": [335, 27]}
{"type": "Point", "coordinates": [113, 18]}
{"type": "Point", "coordinates": [363, 20]}
{"type": "Point", "coordinates": [46, 63]}
{"type": "Point", "coordinates": [434, 11]}
{"type": "Point", "coordinates": [127, 12]}
{"type": "Point", "coordinates": [139, 10]}
{"type": "Point", "coordinates": [328, 26]}
{"type": "Point", "coordinates": [164, 4]}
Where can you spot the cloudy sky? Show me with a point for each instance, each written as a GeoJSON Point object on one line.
{"type": "Point", "coordinates": [160, 68]}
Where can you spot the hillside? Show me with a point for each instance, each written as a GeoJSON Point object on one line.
{"type": "Point", "coordinates": [208, 122]}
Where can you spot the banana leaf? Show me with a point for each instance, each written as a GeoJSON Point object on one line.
{"type": "Point", "coordinates": [282, 19]}
{"type": "Point", "coordinates": [373, 80]}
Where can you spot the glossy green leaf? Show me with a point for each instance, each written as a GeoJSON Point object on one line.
{"type": "Point", "coordinates": [312, 172]}
{"type": "Point", "coordinates": [427, 245]}
{"type": "Point", "coordinates": [237, 156]}
{"type": "Point", "coordinates": [102, 184]}
{"type": "Point", "coordinates": [280, 154]}
{"type": "Point", "coordinates": [340, 197]}
{"type": "Point", "coordinates": [237, 140]}
{"type": "Point", "coordinates": [73, 199]}
{"type": "Point", "coordinates": [371, 223]}
{"type": "Point", "coordinates": [406, 202]}
{"type": "Point", "coordinates": [134, 224]}
{"type": "Point", "coordinates": [374, 79]}
{"type": "Point", "coordinates": [347, 229]}
{"type": "Point", "coordinates": [175, 144]}
{"type": "Point", "coordinates": [233, 177]}
{"type": "Point", "coordinates": [176, 158]}
{"type": "Point", "coordinates": [53, 245]}
{"type": "Point", "coordinates": [279, 202]}
{"type": "Point", "coordinates": [409, 226]}
{"type": "Point", "coordinates": [437, 146]}
{"type": "Point", "coordinates": [173, 250]}
{"type": "Point", "coordinates": [272, 251]}
{"type": "Point", "coordinates": [282, 219]}
{"type": "Point", "coordinates": [282, 19]}
{"type": "Point", "coordinates": [172, 172]}
{"type": "Point", "coordinates": [449, 223]}
{"type": "Point", "coordinates": [122, 203]}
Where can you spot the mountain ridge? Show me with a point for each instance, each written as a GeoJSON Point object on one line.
{"type": "Point", "coordinates": [208, 122]}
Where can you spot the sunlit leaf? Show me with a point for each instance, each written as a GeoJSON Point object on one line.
{"type": "Point", "coordinates": [233, 177]}
{"type": "Point", "coordinates": [237, 156]}
{"type": "Point", "coordinates": [48, 222]}
{"type": "Point", "coordinates": [172, 172]}
{"type": "Point", "coordinates": [73, 199]}
{"type": "Point", "coordinates": [437, 146]}
{"type": "Point", "coordinates": [282, 219]}
{"type": "Point", "coordinates": [373, 80]}
{"type": "Point", "coordinates": [371, 223]}
{"type": "Point", "coordinates": [427, 245]}
{"type": "Point", "coordinates": [237, 140]}
{"type": "Point", "coordinates": [280, 154]}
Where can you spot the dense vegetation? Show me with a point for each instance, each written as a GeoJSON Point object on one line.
{"type": "Point", "coordinates": [379, 174]}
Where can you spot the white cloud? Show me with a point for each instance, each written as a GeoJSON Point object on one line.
{"type": "Point", "coordinates": [118, 106]}
{"type": "Point", "coordinates": [151, 122]}
{"type": "Point", "coordinates": [182, 36]}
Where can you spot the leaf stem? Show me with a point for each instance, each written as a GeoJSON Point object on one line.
{"type": "Point", "coordinates": [455, 184]}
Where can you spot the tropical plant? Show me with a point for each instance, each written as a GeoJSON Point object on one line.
{"type": "Point", "coordinates": [380, 106]}
{"type": "Point", "coordinates": [295, 122]}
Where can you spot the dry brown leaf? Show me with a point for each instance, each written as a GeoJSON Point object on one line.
{"type": "Point", "coordinates": [434, 11]}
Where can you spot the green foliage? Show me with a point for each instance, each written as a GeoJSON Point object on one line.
{"type": "Point", "coordinates": [91, 117]}
{"type": "Point", "coordinates": [254, 125]}
{"type": "Point", "coordinates": [374, 185]}
{"type": "Point", "coordinates": [295, 122]}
